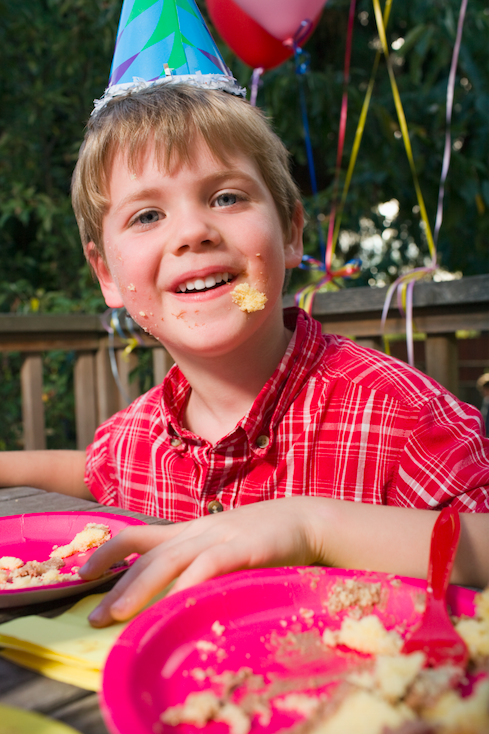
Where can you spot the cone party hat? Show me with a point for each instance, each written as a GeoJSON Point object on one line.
{"type": "Point", "coordinates": [164, 42]}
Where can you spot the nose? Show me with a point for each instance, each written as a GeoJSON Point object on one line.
{"type": "Point", "coordinates": [195, 231]}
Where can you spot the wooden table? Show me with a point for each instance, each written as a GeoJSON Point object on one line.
{"type": "Point", "coordinates": [24, 688]}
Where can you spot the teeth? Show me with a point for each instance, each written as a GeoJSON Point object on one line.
{"type": "Point", "coordinates": [199, 284]}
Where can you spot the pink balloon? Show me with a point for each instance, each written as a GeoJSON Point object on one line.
{"type": "Point", "coordinates": [281, 18]}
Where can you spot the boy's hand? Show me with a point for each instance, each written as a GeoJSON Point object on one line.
{"type": "Point", "coordinates": [265, 534]}
{"type": "Point", "coordinates": [291, 531]}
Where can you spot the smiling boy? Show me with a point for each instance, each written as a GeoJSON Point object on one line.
{"type": "Point", "coordinates": [181, 195]}
{"type": "Point", "coordinates": [205, 226]}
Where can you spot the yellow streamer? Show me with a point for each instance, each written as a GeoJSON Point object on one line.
{"type": "Point", "coordinates": [359, 133]}
{"type": "Point", "coordinates": [132, 343]}
{"type": "Point", "coordinates": [404, 129]}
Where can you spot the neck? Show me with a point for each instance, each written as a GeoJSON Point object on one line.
{"type": "Point", "coordinates": [224, 388]}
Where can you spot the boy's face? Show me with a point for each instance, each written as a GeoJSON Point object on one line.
{"type": "Point", "coordinates": [166, 234]}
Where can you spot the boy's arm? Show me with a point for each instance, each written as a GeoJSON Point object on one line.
{"type": "Point", "coordinates": [291, 531]}
{"type": "Point", "coordinates": [54, 471]}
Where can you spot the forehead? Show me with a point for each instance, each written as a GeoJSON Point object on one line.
{"type": "Point", "coordinates": [197, 161]}
{"type": "Point", "coordinates": [169, 158]}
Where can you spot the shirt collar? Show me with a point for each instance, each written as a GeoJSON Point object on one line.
{"type": "Point", "coordinates": [303, 353]}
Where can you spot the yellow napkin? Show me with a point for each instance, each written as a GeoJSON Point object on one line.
{"type": "Point", "coordinates": [17, 721]}
{"type": "Point", "coordinates": [66, 648]}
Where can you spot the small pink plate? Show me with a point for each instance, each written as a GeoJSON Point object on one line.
{"type": "Point", "coordinates": [32, 538]}
{"type": "Point", "coordinates": [158, 659]}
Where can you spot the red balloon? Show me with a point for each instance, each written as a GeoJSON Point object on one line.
{"type": "Point", "coordinates": [249, 41]}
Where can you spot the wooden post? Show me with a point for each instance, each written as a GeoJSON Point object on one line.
{"type": "Point", "coordinates": [107, 392]}
{"type": "Point", "coordinates": [85, 399]}
{"type": "Point", "coordinates": [162, 362]}
{"type": "Point", "coordinates": [125, 365]}
{"type": "Point", "coordinates": [32, 403]}
{"type": "Point", "coordinates": [442, 360]}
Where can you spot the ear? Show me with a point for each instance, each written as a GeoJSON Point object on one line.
{"type": "Point", "coordinates": [294, 248]}
{"type": "Point", "coordinates": [108, 285]}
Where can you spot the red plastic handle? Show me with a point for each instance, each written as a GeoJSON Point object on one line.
{"type": "Point", "coordinates": [444, 543]}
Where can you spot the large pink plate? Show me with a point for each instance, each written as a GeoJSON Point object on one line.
{"type": "Point", "coordinates": [32, 537]}
{"type": "Point", "coordinates": [150, 667]}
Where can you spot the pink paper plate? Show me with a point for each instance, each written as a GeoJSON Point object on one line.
{"type": "Point", "coordinates": [152, 665]}
{"type": "Point", "coordinates": [32, 537]}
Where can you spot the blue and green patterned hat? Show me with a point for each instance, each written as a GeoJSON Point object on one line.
{"type": "Point", "coordinates": [164, 42]}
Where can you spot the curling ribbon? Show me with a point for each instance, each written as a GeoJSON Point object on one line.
{"type": "Point", "coordinates": [405, 283]}
{"type": "Point", "coordinates": [111, 322]}
{"type": "Point", "coordinates": [301, 67]}
{"type": "Point", "coordinates": [305, 297]}
{"type": "Point", "coordinates": [449, 111]}
{"type": "Point", "coordinates": [404, 130]}
{"type": "Point", "coordinates": [255, 83]}
{"type": "Point", "coordinates": [359, 131]}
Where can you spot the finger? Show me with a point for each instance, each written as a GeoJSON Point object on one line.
{"type": "Point", "coordinates": [101, 615]}
{"type": "Point", "coordinates": [213, 562]}
{"type": "Point", "coordinates": [140, 539]}
{"type": "Point", "coordinates": [191, 561]}
{"type": "Point", "coordinates": [147, 577]}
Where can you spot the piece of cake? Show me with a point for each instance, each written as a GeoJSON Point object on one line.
{"type": "Point", "coordinates": [248, 299]}
{"type": "Point", "coordinates": [9, 563]}
{"type": "Point", "coordinates": [92, 536]}
{"type": "Point", "coordinates": [367, 635]}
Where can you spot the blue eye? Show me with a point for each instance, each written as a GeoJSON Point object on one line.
{"type": "Point", "coordinates": [226, 200]}
{"type": "Point", "coordinates": [149, 217]}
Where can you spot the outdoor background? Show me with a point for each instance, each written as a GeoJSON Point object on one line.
{"type": "Point", "coordinates": [55, 57]}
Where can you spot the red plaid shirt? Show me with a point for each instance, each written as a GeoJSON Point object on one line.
{"type": "Point", "coordinates": [334, 420]}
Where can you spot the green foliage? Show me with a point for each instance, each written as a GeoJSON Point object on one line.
{"type": "Point", "coordinates": [55, 57]}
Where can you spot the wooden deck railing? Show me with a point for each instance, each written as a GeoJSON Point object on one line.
{"type": "Point", "coordinates": [440, 310]}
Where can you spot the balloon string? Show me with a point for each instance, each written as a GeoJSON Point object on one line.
{"type": "Point", "coordinates": [359, 131]}
{"type": "Point", "coordinates": [449, 110]}
{"type": "Point", "coordinates": [406, 282]}
{"type": "Point", "coordinates": [305, 296]}
{"type": "Point", "coordinates": [301, 68]}
{"type": "Point", "coordinates": [404, 130]}
{"type": "Point", "coordinates": [331, 244]}
{"type": "Point", "coordinates": [111, 322]}
{"type": "Point", "coordinates": [255, 83]}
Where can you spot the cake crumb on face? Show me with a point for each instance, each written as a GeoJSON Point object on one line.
{"type": "Point", "coordinates": [248, 299]}
{"type": "Point", "coordinates": [92, 536]}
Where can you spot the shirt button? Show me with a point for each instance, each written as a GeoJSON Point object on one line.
{"type": "Point", "coordinates": [214, 506]}
{"type": "Point", "coordinates": [262, 442]}
{"type": "Point", "coordinates": [176, 442]}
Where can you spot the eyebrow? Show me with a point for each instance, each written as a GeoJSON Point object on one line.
{"type": "Point", "coordinates": [137, 196]}
{"type": "Point", "coordinates": [217, 176]}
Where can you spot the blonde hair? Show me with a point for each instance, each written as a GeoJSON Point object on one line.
{"type": "Point", "coordinates": [171, 117]}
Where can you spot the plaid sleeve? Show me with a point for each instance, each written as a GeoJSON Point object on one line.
{"type": "Point", "coordinates": [446, 459]}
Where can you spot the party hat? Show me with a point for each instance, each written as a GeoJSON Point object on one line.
{"type": "Point", "coordinates": [164, 42]}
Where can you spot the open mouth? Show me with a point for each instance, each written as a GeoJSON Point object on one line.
{"type": "Point", "coordinates": [209, 283]}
